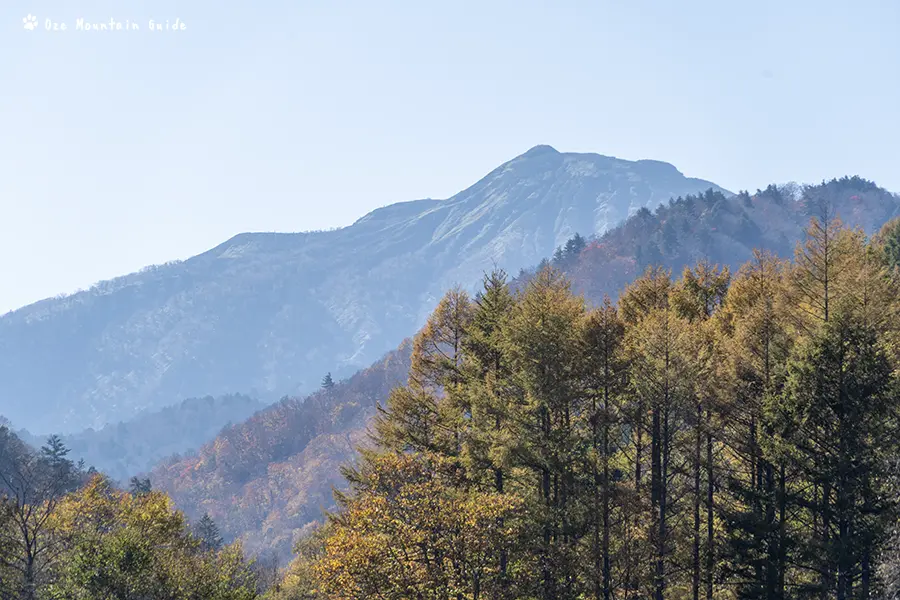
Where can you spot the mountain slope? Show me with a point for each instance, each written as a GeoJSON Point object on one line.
{"type": "Point", "coordinates": [130, 447]}
{"type": "Point", "coordinates": [724, 230]}
{"type": "Point", "coordinates": [269, 314]}
{"type": "Point", "coordinates": [266, 479]}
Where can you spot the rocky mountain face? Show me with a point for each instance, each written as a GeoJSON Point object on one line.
{"type": "Point", "coordinates": [267, 479]}
{"type": "Point", "coordinates": [267, 314]}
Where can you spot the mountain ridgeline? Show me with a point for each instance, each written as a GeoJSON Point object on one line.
{"type": "Point", "coordinates": [266, 480]}
{"type": "Point", "coordinates": [267, 314]}
{"type": "Point", "coordinates": [723, 230]}
{"type": "Point", "coordinates": [130, 447]}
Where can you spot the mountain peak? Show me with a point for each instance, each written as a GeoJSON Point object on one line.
{"type": "Point", "coordinates": [541, 149]}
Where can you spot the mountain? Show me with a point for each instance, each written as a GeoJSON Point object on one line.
{"type": "Point", "coordinates": [269, 314]}
{"type": "Point", "coordinates": [724, 230]}
{"type": "Point", "coordinates": [130, 447]}
{"type": "Point", "coordinates": [267, 479]}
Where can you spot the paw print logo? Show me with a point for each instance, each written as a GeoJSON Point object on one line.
{"type": "Point", "coordinates": [30, 22]}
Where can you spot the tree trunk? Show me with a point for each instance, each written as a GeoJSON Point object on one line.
{"type": "Point", "coordinates": [607, 577]}
{"type": "Point", "coordinates": [656, 501]}
{"type": "Point", "coordinates": [710, 522]}
{"type": "Point", "coordinates": [782, 530]}
{"type": "Point", "coordinates": [695, 581]}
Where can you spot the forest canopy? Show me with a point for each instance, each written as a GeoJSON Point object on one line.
{"type": "Point", "coordinates": [69, 533]}
{"type": "Point", "coordinates": [719, 435]}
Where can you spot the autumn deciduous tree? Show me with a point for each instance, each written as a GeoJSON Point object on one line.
{"type": "Point", "coordinates": [117, 545]}
{"type": "Point", "coordinates": [605, 366]}
{"type": "Point", "coordinates": [31, 486]}
{"type": "Point", "coordinates": [411, 529]}
{"type": "Point", "coordinates": [421, 416]}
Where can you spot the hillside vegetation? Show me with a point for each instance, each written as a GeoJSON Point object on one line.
{"type": "Point", "coordinates": [132, 447]}
{"type": "Point", "coordinates": [264, 479]}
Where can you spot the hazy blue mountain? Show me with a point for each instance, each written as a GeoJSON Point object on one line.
{"type": "Point", "coordinates": [128, 448]}
{"type": "Point", "coordinates": [269, 314]}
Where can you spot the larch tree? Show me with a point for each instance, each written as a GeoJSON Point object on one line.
{"type": "Point", "coordinates": [605, 371]}
{"type": "Point", "coordinates": [660, 384]}
{"type": "Point", "coordinates": [757, 326]}
{"type": "Point", "coordinates": [542, 342]}
{"type": "Point", "coordinates": [698, 296]}
{"type": "Point", "coordinates": [490, 391]}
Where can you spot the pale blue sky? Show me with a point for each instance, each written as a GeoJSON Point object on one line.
{"type": "Point", "coordinates": [119, 150]}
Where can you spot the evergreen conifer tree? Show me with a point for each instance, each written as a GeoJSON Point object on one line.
{"type": "Point", "coordinates": [208, 533]}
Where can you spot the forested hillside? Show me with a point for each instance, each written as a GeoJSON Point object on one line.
{"type": "Point", "coordinates": [268, 479]}
{"type": "Point", "coordinates": [264, 479]}
{"type": "Point", "coordinates": [67, 532]}
{"type": "Point", "coordinates": [722, 230]}
{"type": "Point", "coordinates": [265, 314]}
{"type": "Point", "coordinates": [131, 447]}
{"type": "Point", "coordinates": [721, 434]}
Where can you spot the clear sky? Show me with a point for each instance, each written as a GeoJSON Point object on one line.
{"type": "Point", "coordinates": [120, 149]}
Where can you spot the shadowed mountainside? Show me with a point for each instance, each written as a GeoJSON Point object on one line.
{"type": "Point", "coordinates": [134, 446]}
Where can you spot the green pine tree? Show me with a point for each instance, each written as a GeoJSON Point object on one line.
{"type": "Point", "coordinates": [890, 240]}
{"type": "Point", "coordinates": [839, 406]}
{"type": "Point", "coordinates": [208, 533]}
{"type": "Point", "coordinates": [140, 487]}
{"type": "Point", "coordinates": [327, 382]}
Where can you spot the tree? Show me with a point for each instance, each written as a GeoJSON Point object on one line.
{"type": "Point", "coordinates": [139, 487]}
{"type": "Point", "coordinates": [300, 581]}
{"type": "Point", "coordinates": [489, 390]}
{"type": "Point", "coordinates": [701, 291]}
{"type": "Point", "coordinates": [889, 236]}
{"type": "Point", "coordinates": [697, 297]}
{"type": "Point", "coordinates": [709, 436]}
{"type": "Point", "coordinates": [411, 529]}
{"type": "Point", "coordinates": [421, 416]}
{"type": "Point", "coordinates": [542, 339]}
{"type": "Point", "coordinates": [207, 532]}
{"type": "Point", "coordinates": [659, 383]}
{"type": "Point", "coordinates": [756, 322]}
{"type": "Point", "coordinates": [327, 382]}
{"type": "Point", "coordinates": [839, 402]}
{"type": "Point", "coordinates": [122, 546]}
{"type": "Point", "coordinates": [34, 483]}
{"type": "Point", "coordinates": [568, 253]}
{"type": "Point", "coordinates": [822, 272]}
{"type": "Point", "coordinates": [605, 369]}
